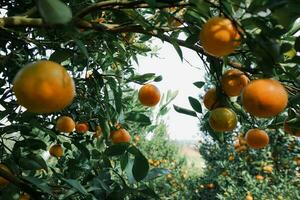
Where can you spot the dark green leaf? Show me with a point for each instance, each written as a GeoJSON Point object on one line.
{"type": "Point", "coordinates": [297, 44]}
{"type": "Point", "coordinates": [117, 149]}
{"type": "Point", "coordinates": [199, 84]}
{"type": "Point", "coordinates": [54, 11]}
{"type": "Point", "coordinates": [61, 55]}
{"type": "Point", "coordinates": [76, 185]}
{"type": "Point", "coordinates": [124, 160]}
{"type": "Point", "coordinates": [138, 117]}
{"type": "Point", "coordinates": [39, 183]}
{"type": "Point", "coordinates": [196, 105]}
{"type": "Point", "coordinates": [185, 111]}
{"type": "Point", "coordinates": [33, 144]}
{"type": "Point", "coordinates": [140, 167]}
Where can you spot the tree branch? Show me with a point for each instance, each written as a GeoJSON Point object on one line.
{"type": "Point", "coordinates": [113, 5]}
{"type": "Point", "coordinates": [21, 184]}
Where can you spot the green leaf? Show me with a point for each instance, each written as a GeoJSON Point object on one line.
{"type": "Point", "coordinates": [82, 48]}
{"type": "Point", "coordinates": [158, 79]}
{"type": "Point", "coordinates": [196, 105]}
{"type": "Point", "coordinates": [76, 185]}
{"type": "Point", "coordinates": [54, 11]}
{"type": "Point", "coordinates": [138, 117]}
{"type": "Point", "coordinates": [61, 55]}
{"type": "Point", "coordinates": [33, 144]}
{"type": "Point", "coordinates": [156, 172]}
{"type": "Point", "coordinates": [178, 49]}
{"type": "Point", "coordinates": [117, 149]}
{"type": "Point", "coordinates": [140, 167]}
{"type": "Point", "coordinates": [39, 183]}
{"type": "Point", "coordinates": [199, 84]}
{"type": "Point", "coordinates": [185, 111]}
{"type": "Point", "coordinates": [128, 171]}
{"type": "Point", "coordinates": [124, 160]}
{"type": "Point", "coordinates": [32, 162]}
{"type": "Point", "coordinates": [297, 44]}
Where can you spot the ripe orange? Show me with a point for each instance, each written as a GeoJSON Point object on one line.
{"type": "Point", "coordinates": [3, 181]}
{"type": "Point", "coordinates": [257, 138]}
{"type": "Point", "coordinates": [289, 130]}
{"type": "Point", "coordinates": [44, 87]}
{"type": "Point", "coordinates": [119, 136]}
{"type": "Point", "coordinates": [210, 99]}
{"type": "Point", "coordinates": [259, 177]}
{"type": "Point", "coordinates": [81, 127]}
{"type": "Point", "coordinates": [264, 98]}
{"type": "Point", "coordinates": [210, 186]}
{"type": "Point", "coordinates": [231, 158]}
{"type": "Point", "coordinates": [56, 150]}
{"type": "Point", "coordinates": [65, 124]}
{"type": "Point", "coordinates": [219, 37]}
{"type": "Point", "coordinates": [233, 82]}
{"type": "Point", "coordinates": [222, 119]}
{"type": "Point", "coordinates": [24, 196]}
{"type": "Point", "coordinates": [149, 95]}
{"type": "Point", "coordinates": [249, 197]}
{"type": "Point", "coordinates": [268, 168]}
{"type": "Point", "coordinates": [137, 138]}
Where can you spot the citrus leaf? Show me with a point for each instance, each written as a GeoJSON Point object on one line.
{"type": "Point", "coordinates": [185, 111]}
{"type": "Point", "coordinates": [140, 167]}
{"type": "Point", "coordinates": [54, 11]}
{"type": "Point", "coordinates": [117, 149]}
{"type": "Point", "coordinates": [196, 105]}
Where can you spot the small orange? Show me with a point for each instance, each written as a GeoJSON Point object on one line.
{"type": "Point", "coordinates": [219, 37]}
{"type": "Point", "coordinates": [3, 181]}
{"type": "Point", "coordinates": [222, 119]}
{"type": "Point", "coordinates": [257, 138]}
{"type": "Point", "coordinates": [137, 138]}
{"type": "Point", "coordinates": [44, 87]}
{"type": "Point", "coordinates": [288, 129]}
{"type": "Point", "coordinates": [233, 82]}
{"type": "Point", "coordinates": [259, 177]}
{"type": "Point", "coordinates": [210, 186]}
{"type": "Point", "coordinates": [231, 158]}
{"type": "Point", "coordinates": [65, 124]}
{"type": "Point", "coordinates": [249, 197]}
{"type": "Point", "coordinates": [24, 196]}
{"type": "Point", "coordinates": [81, 127]}
{"type": "Point", "coordinates": [119, 136]}
{"type": "Point", "coordinates": [210, 99]}
{"type": "Point", "coordinates": [56, 150]}
{"type": "Point", "coordinates": [149, 95]}
{"type": "Point", "coordinates": [268, 168]}
{"type": "Point", "coordinates": [264, 98]}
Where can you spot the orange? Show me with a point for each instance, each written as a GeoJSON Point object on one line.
{"type": "Point", "coordinates": [81, 127]}
{"type": "Point", "coordinates": [210, 99]}
{"type": "Point", "coordinates": [257, 138]}
{"type": "Point", "coordinates": [3, 181]}
{"type": "Point", "coordinates": [219, 37]}
{"type": "Point", "coordinates": [137, 138]}
{"type": "Point", "coordinates": [65, 124]}
{"type": "Point", "coordinates": [288, 129]}
{"type": "Point", "coordinates": [119, 136]}
{"type": "Point", "coordinates": [210, 186]}
{"type": "Point", "coordinates": [259, 177]}
{"type": "Point", "coordinates": [24, 196]}
{"type": "Point", "coordinates": [268, 168]}
{"type": "Point", "coordinates": [233, 82]}
{"type": "Point", "coordinates": [249, 197]}
{"type": "Point", "coordinates": [56, 150]}
{"type": "Point", "coordinates": [264, 98]}
{"type": "Point", "coordinates": [149, 95]}
{"type": "Point", "coordinates": [44, 87]}
{"type": "Point", "coordinates": [222, 119]}
{"type": "Point", "coordinates": [231, 158]}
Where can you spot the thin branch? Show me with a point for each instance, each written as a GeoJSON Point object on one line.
{"type": "Point", "coordinates": [113, 5]}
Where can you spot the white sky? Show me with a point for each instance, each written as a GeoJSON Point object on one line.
{"type": "Point", "coordinates": [179, 76]}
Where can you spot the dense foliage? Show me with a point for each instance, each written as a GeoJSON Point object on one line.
{"type": "Point", "coordinates": [98, 42]}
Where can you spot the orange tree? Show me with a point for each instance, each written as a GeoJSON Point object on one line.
{"type": "Point", "coordinates": [97, 43]}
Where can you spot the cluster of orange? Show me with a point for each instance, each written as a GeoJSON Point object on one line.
{"type": "Point", "coordinates": [156, 163]}
{"type": "Point", "coordinates": [262, 98]}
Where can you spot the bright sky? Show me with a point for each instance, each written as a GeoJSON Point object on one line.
{"type": "Point", "coordinates": [179, 76]}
